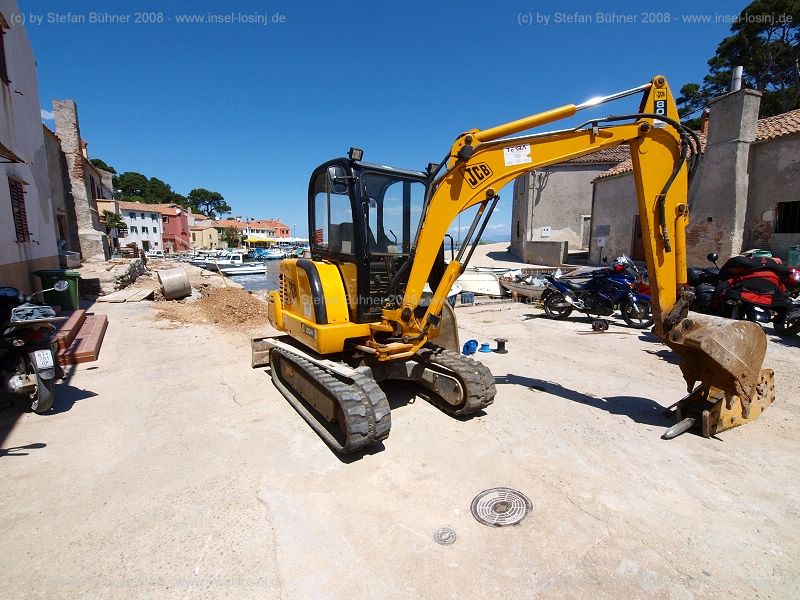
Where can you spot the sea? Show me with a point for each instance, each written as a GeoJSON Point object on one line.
{"type": "Point", "coordinates": [262, 281]}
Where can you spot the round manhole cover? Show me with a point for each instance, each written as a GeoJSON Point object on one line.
{"type": "Point", "coordinates": [499, 507]}
{"type": "Point", "coordinates": [444, 536]}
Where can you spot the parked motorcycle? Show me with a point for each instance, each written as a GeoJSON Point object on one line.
{"type": "Point", "coordinates": [607, 291]}
{"type": "Point", "coordinates": [759, 289]}
{"type": "Point", "coordinates": [704, 280]}
{"type": "Point", "coordinates": [28, 348]}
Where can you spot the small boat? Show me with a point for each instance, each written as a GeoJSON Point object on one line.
{"type": "Point", "coordinates": [485, 281]}
{"type": "Point", "coordinates": [228, 260]}
{"type": "Point", "coordinates": [521, 288]}
{"type": "Point", "coordinates": [452, 295]}
{"type": "Point", "coordinates": [250, 268]}
{"type": "Point", "coordinates": [273, 254]}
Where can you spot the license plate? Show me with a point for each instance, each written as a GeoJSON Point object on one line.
{"type": "Point", "coordinates": [44, 359]}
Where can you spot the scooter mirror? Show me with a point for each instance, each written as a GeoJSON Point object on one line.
{"type": "Point", "coordinates": [713, 257]}
{"type": "Point", "coordinates": [60, 286]}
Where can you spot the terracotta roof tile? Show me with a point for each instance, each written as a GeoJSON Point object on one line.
{"type": "Point", "coordinates": [778, 126]}
{"type": "Point", "coordinates": [606, 155]}
{"type": "Point", "coordinates": [627, 165]}
{"type": "Point", "coordinates": [164, 209]}
{"type": "Point", "coordinates": [769, 128]}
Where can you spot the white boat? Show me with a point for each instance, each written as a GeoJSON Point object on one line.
{"type": "Point", "coordinates": [452, 295]}
{"type": "Point", "coordinates": [274, 253]}
{"type": "Point", "coordinates": [482, 280]}
{"type": "Point", "coordinates": [250, 268]}
{"type": "Point", "coordinates": [228, 260]}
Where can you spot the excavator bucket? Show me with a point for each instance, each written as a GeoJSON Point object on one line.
{"type": "Point", "coordinates": [725, 357]}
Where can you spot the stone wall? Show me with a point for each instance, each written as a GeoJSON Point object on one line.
{"type": "Point", "coordinates": [93, 242]}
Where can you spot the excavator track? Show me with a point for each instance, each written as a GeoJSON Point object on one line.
{"type": "Point", "coordinates": [361, 416]}
{"type": "Point", "coordinates": [476, 379]}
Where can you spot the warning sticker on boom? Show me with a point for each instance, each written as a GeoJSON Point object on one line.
{"type": "Point", "coordinates": [517, 155]}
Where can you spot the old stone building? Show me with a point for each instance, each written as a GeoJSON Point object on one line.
{"type": "Point", "coordinates": [552, 206]}
{"type": "Point", "coordinates": [76, 185]}
{"type": "Point", "coordinates": [746, 193]}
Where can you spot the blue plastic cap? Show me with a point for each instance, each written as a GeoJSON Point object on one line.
{"type": "Point", "coordinates": [470, 346]}
{"type": "Point", "coordinates": [485, 347]}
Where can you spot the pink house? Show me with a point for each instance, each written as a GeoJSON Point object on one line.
{"type": "Point", "coordinates": [175, 225]}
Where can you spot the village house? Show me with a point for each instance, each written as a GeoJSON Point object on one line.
{"type": "Point", "coordinates": [143, 224]}
{"type": "Point", "coordinates": [28, 231]}
{"type": "Point", "coordinates": [256, 231]}
{"type": "Point", "coordinates": [152, 226]}
{"type": "Point", "coordinates": [554, 204]}
{"type": "Point", "coordinates": [745, 195]}
{"type": "Point", "coordinates": [204, 235]}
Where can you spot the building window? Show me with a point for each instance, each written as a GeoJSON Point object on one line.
{"type": "Point", "coordinates": [132, 215]}
{"type": "Point", "coordinates": [787, 217]}
{"type": "Point", "coordinates": [152, 216]}
{"type": "Point", "coordinates": [141, 215]}
{"type": "Point", "coordinates": [18, 210]}
{"type": "Point", "coordinates": [133, 229]}
{"type": "Point", "coordinates": [145, 230]}
{"type": "Point", "coordinates": [165, 219]}
{"type": "Point", "coordinates": [3, 64]}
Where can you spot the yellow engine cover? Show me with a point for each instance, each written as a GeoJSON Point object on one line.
{"type": "Point", "coordinates": [312, 306]}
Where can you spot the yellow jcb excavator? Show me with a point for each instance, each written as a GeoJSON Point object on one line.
{"type": "Point", "coordinates": [357, 312]}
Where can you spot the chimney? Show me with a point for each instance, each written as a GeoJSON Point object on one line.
{"type": "Point", "coordinates": [736, 81]}
{"type": "Point", "coordinates": [704, 121]}
{"type": "Point", "coordinates": [719, 191]}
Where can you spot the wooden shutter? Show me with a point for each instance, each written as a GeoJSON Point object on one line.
{"type": "Point", "coordinates": [3, 66]}
{"type": "Point", "coordinates": [18, 210]}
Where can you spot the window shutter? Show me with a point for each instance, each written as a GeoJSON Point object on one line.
{"type": "Point", "coordinates": [3, 66]}
{"type": "Point", "coordinates": [18, 210]}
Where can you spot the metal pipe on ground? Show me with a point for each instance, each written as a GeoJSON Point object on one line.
{"type": "Point", "coordinates": [174, 283]}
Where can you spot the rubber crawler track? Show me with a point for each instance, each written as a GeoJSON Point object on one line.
{"type": "Point", "coordinates": [361, 400]}
{"type": "Point", "coordinates": [476, 378]}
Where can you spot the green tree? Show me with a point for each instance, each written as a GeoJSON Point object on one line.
{"type": "Point", "coordinates": [130, 185]}
{"type": "Point", "coordinates": [231, 235]}
{"type": "Point", "coordinates": [207, 202]}
{"type": "Point", "coordinates": [100, 164]}
{"type": "Point", "coordinates": [113, 221]}
{"type": "Point", "coordinates": [157, 192]}
{"type": "Point", "coordinates": [765, 41]}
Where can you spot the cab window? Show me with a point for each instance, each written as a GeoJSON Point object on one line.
{"type": "Point", "coordinates": [333, 219]}
{"type": "Point", "coordinates": [395, 208]}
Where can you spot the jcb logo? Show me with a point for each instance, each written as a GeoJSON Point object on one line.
{"type": "Point", "coordinates": [475, 174]}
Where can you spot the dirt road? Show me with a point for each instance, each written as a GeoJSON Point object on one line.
{"type": "Point", "coordinates": [170, 469]}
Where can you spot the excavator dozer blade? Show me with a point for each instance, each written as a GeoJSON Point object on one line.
{"type": "Point", "coordinates": [725, 356]}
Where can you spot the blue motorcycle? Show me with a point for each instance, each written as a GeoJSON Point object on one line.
{"type": "Point", "coordinates": [607, 291]}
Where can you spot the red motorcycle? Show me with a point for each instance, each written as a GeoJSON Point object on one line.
{"type": "Point", "coordinates": [760, 289]}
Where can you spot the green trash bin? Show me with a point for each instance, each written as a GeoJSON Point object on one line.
{"type": "Point", "coordinates": [68, 299]}
{"type": "Point", "coordinates": [794, 256]}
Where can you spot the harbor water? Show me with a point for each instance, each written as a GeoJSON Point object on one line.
{"type": "Point", "coordinates": [261, 281]}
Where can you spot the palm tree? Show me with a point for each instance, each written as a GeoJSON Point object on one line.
{"type": "Point", "coordinates": [113, 221]}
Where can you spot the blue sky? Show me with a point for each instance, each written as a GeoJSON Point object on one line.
{"type": "Point", "coordinates": [249, 109]}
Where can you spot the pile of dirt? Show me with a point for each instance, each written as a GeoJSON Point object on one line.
{"type": "Point", "coordinates": [231, 308]}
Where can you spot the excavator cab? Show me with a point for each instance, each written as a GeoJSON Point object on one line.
{"type": "Point", "coordinates": [364, 218]}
